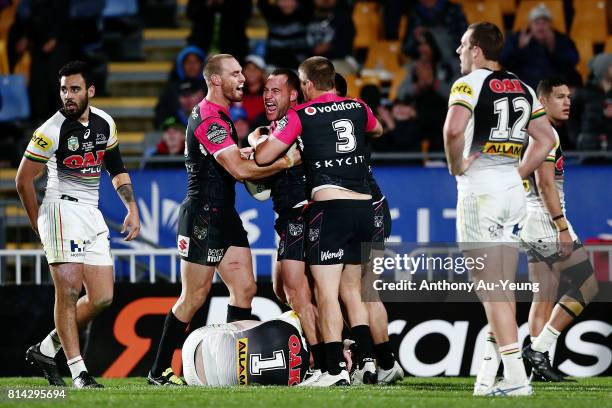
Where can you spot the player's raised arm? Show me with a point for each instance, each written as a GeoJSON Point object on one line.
{"type": "Point", "coordinates": [242, 169]}
{"type": "Point", "coordinates": [271, 148]}
{"type": "Point", "coordinates": [454, 138]}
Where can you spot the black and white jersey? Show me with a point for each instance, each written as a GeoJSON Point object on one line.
{"type": "Point", "coordinates": [74, 154]}
{"type": "Point", "coordinates": [332, 131]}
{"type": "Point", "coordinates": [534, 201]}
{"type": "Point", "coordinates": [502, 106]}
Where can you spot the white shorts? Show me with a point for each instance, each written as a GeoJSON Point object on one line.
{"type": "Point", "coordinates": [490, 218]}
{"type": "Point", "coordinates": [539, 236]}
{"type": "Point", "coordinates": [72, 232]}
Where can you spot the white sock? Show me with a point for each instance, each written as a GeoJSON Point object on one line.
{"type": "Point", "coordinates": [546, 339]}
{"type": "Point", "coordinates": [490, 362]}
{"type": "Point", "coordinates": [76, 366]}
{"type": "Point", "coordinates": [514, 369]}
{"type": "Point", "coordinates": [51, 344]}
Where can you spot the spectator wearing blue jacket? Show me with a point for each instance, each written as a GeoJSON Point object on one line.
{"type": "Point", "coordinates": [189, 67]}
{"type": "Point", "coordinates": [540, 52]}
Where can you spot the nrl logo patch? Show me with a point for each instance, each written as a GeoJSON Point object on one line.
{"type": "Point", "coordinates": [73, 143]}
{"type": "Point", "coordinates": [313, 234]}
{"type": "Point", "coordinates": [216, 133]}
{"type": "Point", "coordinates": [296, 229]}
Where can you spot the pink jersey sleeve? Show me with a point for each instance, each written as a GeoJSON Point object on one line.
{"type": "Point", "coordinates": [215, 135]}
{"type": "Point", "coordinates": [288, 128]}
{"type": "Point", "coordinates": [371, 123]}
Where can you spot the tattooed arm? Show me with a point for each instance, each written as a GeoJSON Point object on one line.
{"type": "Point", "coordinates": [131, 224]}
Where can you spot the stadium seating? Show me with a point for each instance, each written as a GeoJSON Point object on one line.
{"type": "Point", "coordinates": [525, 6]}
{"type": "Point", "coordinates": [367, 19]}
{"type": "Point", "coordinates": [608, 46]}
{"type": "Point", "coordinates": [14, 95]}
{"type": "Point", "coordinates": [590, 21]}
{"type": "Point", "coordinates": [585, 49]}
{"type": "Point", "coordinates": [384, 55]}
{"type": "Point", "coordinates": [506, 6]}
{"type": "Point", "coordinates": [4, 64]}
{"type": "Point", "coordinates": [489, 10]}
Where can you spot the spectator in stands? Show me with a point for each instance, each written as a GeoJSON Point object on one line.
{"type": "Point", "coordinates": [393, 10]}
{"type": "Point", "coordinates": [254, 71]}
{"type": "Point", "coordinates": [171, 144]}
{"type": "Point", "coordinates": [591, 108]}
{"type": "Point", "coordinates": [539, 51]}
{"type": "Point", "coordinates": [287, 21]}
{"type": "Point", "coordinates": [403, 131]}
{"type": "Point", "coordinates": [189, 67]}
{"type": "Point", "coordinates": [240, 118]}
{"type": "Point", "coordinates": [331, 33]}
{"type": "Point", "coordinates": [232, 24]}
{"type": "Point", "coordinates": [42, 28]}
{"type": "Point", "coordinates": [190, 94]}
{"type": "Point", "coordinates": [427, 71]}
{"type": "Point", "coordinates": [445, 20]}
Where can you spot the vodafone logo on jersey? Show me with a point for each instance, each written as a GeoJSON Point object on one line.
{"type": "Point", "coordinates": [334, 107]}
{"type": "Point", "coordinates": [310, 111]}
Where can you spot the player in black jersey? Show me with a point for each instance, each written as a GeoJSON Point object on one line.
{"type": "Point", "coordinates": [74, 145]}
{"type": "Point", "coordinates": [288, 191]}
{"type": "Point", "coordinates": [489, 114]}
{"type": "Point", "coordinates": [332, 130]}
{"type": "Point", "coordinates": [389, 370]}
{"type": "Point", "coordinates": [210, 232]}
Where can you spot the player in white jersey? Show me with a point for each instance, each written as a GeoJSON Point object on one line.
{"type": "Point", "coordinates": [247, 352]}
{"type": "Point", "coordinates": [73, 145]}
{"type": "Point", "coordinates": [490, 112]}
{"type": "Point", "coordinates": [554, 250]}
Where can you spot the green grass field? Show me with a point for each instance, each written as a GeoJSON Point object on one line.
{"type": "Point", "coordinates": [412, 392]}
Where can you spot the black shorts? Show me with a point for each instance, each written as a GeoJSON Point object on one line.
{"type": "Point", "coordinates": [382, 222]}
{"type": "Point", "coordinates": [205, 232]}
{"type": "Point", "coordinates": [290, 227]}
{"type": "Point", "coordinates": [336, 231]}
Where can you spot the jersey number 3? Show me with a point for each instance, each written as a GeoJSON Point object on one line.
{"type": "Point", "coordinates": [502, 132]}
{"type": "Point", "coordinates": [346, 135]}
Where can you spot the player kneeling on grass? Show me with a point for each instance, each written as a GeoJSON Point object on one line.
{"type": "Point", "coordinates": [247, 352]}
{"type": "Point", "coordinates": [554, 250]}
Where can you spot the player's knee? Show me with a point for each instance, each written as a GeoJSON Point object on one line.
{"type": "Point", "coordinates": [67, 294]}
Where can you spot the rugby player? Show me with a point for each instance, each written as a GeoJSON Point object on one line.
{"type": "Point", "coordinates": [288, 191]}
{"type": "Point", "coordinates": [389, 370]}
{"type": "Point", "coordinates": [554, 250]}
{"type": "Point", "coordinates": [247, 353]}
{"type": "Point", "coordinates": [333, 130]}
{"type": "Point", "coordinates": [210, 233]}
{"type": "Point", "coordinates": [73, 145]}
{"type": "Point", "coordinates": [490, 112]}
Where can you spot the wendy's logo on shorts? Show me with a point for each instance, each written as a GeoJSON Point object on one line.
{"type": "Point", "coordinates": [313, 234]}
{"type": "Point", "coordinates": [296, 229]}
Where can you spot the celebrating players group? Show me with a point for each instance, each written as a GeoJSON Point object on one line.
{"type": "Point", "coordinates": [314, 157]}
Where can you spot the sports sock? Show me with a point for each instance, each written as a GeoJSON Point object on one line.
{"type": "Point", "coordinates": [363, 338]}
{"type": "Point", "coordinates": [490, 361]}
{"type": "Point", "coordinates": [51, 344]}
{"type": "Point", "coordinates": [318, 355]}
{"type": "Point", "coordinates": [514, 369]}
{"type": "Point", "coordinates": [174, 329]}
{"type": "Point", "coordinates": [335, 358]}
{"type": "Point", "coordinates": [545, 340]}
{"type": "Point", "coordinates": [384, 355]}
{"type": "Point", "coordinates": [235, 313]}
{"type": "Point", "coordinates": [76, 366]}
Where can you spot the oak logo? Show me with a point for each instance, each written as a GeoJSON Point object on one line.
{"type": "Point", "coordinates": [77, 161]}
{"type": "Point", "coordinates": [295, 361]}
{"type": "Point", "coordinates": [242, 351]}
{"type": "Point", "coordinates": [506, 86]}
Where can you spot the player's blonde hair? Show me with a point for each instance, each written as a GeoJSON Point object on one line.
{"type": "Point", "coordinates": [214, 65]}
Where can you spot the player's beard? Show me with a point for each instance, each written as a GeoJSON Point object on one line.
{"type": "Point", "coordinates": [231, 93]}
{"type": "Point", "coordinates": [79, 110]}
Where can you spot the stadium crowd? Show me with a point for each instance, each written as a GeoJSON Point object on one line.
{"type": "Point", "coordinates": [411, 109]}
